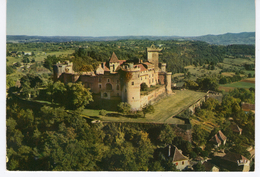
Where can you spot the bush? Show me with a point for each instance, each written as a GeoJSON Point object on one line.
{"type": "Point", "coordinates": [124, 107]}
{"type": "Point", "coordinates": [9, 70]}
{"type": "Point", "coordinates": [144, 87]}
{"type": "Point", "coordinates": [103, 112]}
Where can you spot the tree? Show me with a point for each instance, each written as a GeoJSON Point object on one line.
{"type": "Point", "coordinates": [189, 84]}
{"type": "Point", "coordinates": [167, 134]}
{"type": "Point", "coordinates": [124, 107]}
{"type": "Point", "coordinates": [77, 96]}
{"type": "Point", "coordinates": [49, 61]}
{"type": "Point", "coordinates": [199, 167]}
{"type": "Point", "coordinates": [144, 87]}
{"type": "Point", "coordinates": [26, 60]}
{"type": "Point", "coordinates": [207, 84]}
{"type": "Point", "coordinates": [199, 135]}
{"type": "Point", "coordinates": [9, 70]}
{"type": "Point", "coordinates": [210, 104]}
{"type": "Point", "coordinates": [147, 109]}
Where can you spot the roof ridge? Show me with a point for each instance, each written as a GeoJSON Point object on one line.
{"type": "Point", "coordinates": [113, 58]}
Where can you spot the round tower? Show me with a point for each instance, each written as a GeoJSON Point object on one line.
{"type": "Point", "coordinates": [131, 88]}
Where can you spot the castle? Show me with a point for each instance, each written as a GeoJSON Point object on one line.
{"type": "Point", "coordinates": [120, 78]}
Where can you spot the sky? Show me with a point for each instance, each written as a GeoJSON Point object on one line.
{"type": "Point", "coordinates": [129, 17]}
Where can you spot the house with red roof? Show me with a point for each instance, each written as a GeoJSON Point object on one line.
{"type": "Point", "coordinates": [218, 139]}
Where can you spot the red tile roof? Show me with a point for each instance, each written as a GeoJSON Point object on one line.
{"type": "Point", "coordinates": [222, 136]}
{"type": "Point", "coordinates": [121, 61]}
{"type": "Point", "coordinates": [215, 139]}
{"type": "Point", "coordinates": [236, 128]}
{"type": "Point", "coordinates": [105, 67]}
{"type": "Point", "coordinates": [113, 58]}
{"type": "Point", "coordinates": [147, 63]}
{"type": "Point", "coordinates": [141, 66]}
{"type": "Point", "coordinates": [247, 106]}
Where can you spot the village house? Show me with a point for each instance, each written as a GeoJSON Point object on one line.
{"type": "Point", "coordinates": [235, 162]}
{"type": "Point", "coordinates": [121, 79]}
{"type": "Point", "coordinates": [218, 139]}
{"type": "Point", "coordinates": [178, 159]}
{"type": "Point", "coordinates": [210, 166]}
{"type": "Point", "coordinates": [248, 107]}
{"type": "Point", "coordinates": [236, 129]}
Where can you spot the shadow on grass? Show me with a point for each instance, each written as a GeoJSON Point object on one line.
{"type": "Point", "coordinates": [94, 117]}
{"type": "Point", "coordinates": [114, 115]}
{"type": "Point", "coordinates": [134, 116]}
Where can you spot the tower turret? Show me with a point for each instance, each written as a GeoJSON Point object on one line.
{"type": "Point", "coordinates": [153, 55]}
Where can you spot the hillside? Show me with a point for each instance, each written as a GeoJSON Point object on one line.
{"type": "Point", "coordinates": [228, 38]}
{"type": "Point", "coordinates": [222, 39]}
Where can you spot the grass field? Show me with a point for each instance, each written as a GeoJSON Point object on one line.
{"type": "Point", "coordinates": [239, 61]}
{"type": "Point", "coordinates": [246, 83]}
{"type": "Point", "coordinates": [39, 56]}
{"type": "Point", "coordinates": [164, 109]}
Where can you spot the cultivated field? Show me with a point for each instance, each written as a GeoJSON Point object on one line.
{"type": "Point", "coordinates": [239, 61]}
{"type": "Point", "coordinates": [246, 83]}
{"type": "Point", "coordinates": [165, 109]}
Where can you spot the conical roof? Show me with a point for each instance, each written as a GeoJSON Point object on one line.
{"type": "Point", "coordinates": [113, 58]}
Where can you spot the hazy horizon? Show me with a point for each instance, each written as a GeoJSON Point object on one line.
{"type": "Point", "coordinates": [129, 35]}
{"type": "Point", "coordinates": [100, 18]}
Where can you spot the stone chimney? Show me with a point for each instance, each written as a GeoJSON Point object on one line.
{"type": "Point", "coordinates": [169, 152]}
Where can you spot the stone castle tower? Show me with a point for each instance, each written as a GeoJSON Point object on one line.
{"type": "Point", "coordinates": [153, 55]}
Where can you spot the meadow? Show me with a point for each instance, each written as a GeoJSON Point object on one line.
{"type": "Point", "coordinates": [245, 83]}
{"type": "Point", "coordinates": [39, 56]}
{"type": "Point", "coordinates": [165, 109]}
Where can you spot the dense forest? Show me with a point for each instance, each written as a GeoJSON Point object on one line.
{"type": "Point", "coordinates": [175, 54]}
{"type": "Point", "coordinates": [51, 138]}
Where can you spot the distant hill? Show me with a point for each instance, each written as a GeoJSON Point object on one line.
{"type": "Point", "coordinates": [222, 39]}
{"type": "Point", "coordinates": [228, 38]}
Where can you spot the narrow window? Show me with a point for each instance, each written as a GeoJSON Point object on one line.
{"type": "Point", "coordinates": [107, 80]}
{"type": "Point", "coordinates": [133, 83]}
{"type": "Point", "coordinates": [182, 162]}
{"type": "Point", "coordinates": [117, 87]}
{"type": "Point", "coordinates": [117, 94]}
{"type": "Point", "coordinates": [133, 97]}
{"type": "Point", "coordinates": [100, 86]}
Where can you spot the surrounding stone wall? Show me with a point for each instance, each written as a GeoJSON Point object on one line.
{"type": "Point", "coordinates": [197, 104]}
{"type": "Point", "coordinates": [146, 99]}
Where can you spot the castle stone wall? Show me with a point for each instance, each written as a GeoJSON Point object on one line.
{"type": "Point", "coordinates": [146, 99]}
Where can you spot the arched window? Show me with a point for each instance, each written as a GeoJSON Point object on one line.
{"type": "Point", "coordinates": [108, 86]}
{"type": "Point", "coordinates": [104, 94]}
{"type": "Point", "coordinates": [117, 87]}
